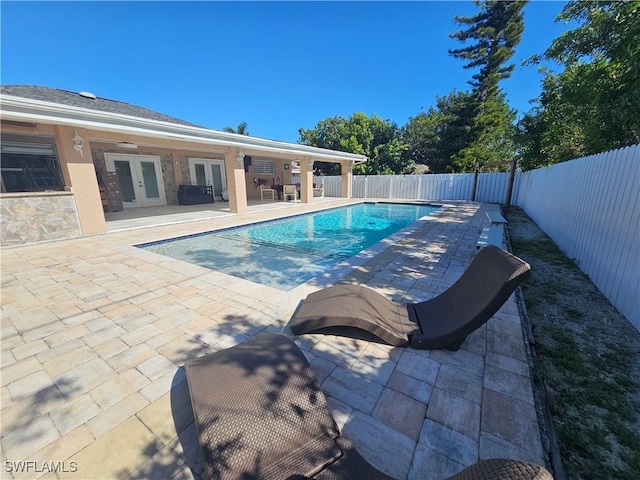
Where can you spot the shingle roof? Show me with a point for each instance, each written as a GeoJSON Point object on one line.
{"type": "Point", "coordinates": [74, 99]}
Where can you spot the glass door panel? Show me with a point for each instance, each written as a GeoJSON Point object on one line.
{"type": "Point", "coordinates": [125, 177]}
{"type": "Point", "coordinates": [216, 175]}
{"type": "Point", "coordinates": [150, 180]}
{"type": "Point", "coordinates": [201, 178]}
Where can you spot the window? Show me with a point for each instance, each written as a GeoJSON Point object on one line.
{"type": "Point", "coordinates": [30, 168]}
{"type": "Point", "coordinates": [263, 167]}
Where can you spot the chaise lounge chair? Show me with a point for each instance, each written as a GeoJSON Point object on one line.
{"type": "Point", "coordinates": [442, 322]}
{"type": "Point", "coordinates": [260, 414]}
{"type": "Point", "coordinates": [503, 469]}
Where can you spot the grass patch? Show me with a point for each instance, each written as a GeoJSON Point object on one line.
{"type": "Point", "coordinates": [572, 313]}
{"type": "Point", "coordinates": [542, 248]}
{"type": "Point", "coordinates": [589, 356]}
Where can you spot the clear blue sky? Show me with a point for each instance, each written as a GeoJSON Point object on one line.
{"type": "Point", "coordinates": [277, 66]}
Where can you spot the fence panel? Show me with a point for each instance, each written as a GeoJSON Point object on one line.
{"type": "Point", "coordinates": [590, 207]}
{"type": "Point", "coordinates": [446, 186]}
{"type": "Point", "coordinates": [332, 185]}
{"type": "Point", "coordinates": [405, 186]}
{"type": "Point", "coordinates": [358, 186]}
{"type": "Point", "coordinates": [492, 187]}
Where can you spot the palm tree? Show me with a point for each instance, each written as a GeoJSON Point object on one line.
{"type": "Point", "coordinates": [242, 129]}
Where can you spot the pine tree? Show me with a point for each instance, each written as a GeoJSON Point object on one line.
{"type": "Point", "coordinates": [495, 31]}
{"type": "Point", "coordinates": [492, 35]}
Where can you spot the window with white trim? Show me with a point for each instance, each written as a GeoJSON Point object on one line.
{"type": "Point", "coordinates": [264, 167]}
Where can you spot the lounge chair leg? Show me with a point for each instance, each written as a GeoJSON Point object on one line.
{"type": "Point", "coordinates": [455, 346]}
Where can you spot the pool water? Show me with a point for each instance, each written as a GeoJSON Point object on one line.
{"type": "Point", "coordinates": [287, 252]}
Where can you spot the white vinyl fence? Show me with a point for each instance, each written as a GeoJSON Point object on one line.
{"type": "Point", "coordinates": [492, 187]}
{"type": "Point", "coordinates": [590, 207]}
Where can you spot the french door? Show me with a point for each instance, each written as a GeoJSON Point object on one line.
{"type": "Point", "coordinates": [140, 178]}
{"type": "Point", "coordinates": [208, 172]}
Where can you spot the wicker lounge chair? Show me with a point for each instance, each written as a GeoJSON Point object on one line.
{"type": "Point", "coordinates": [260, 414]}
{"type": "Point", "coordinates": [442, 322]}
{"type": "Point", "coordinates": [503, 469]}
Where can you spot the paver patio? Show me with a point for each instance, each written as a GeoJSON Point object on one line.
{"type": "Point", "coordinates": [95, 333]}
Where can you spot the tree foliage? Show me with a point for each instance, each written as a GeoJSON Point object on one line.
{"type": "Point", "coordinates": [494, 33]}
{"type": "Point", "coordinates": [436, 136]}
{"type": "Point", "coordinates": [593, 105]}
{"type": "Point", "coordinates": [242, 129]}
{"type": "Point", "coordinates": [379, 140]}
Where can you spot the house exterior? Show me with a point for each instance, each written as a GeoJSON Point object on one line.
{"type": "Point", "coordinates": [69, 156]}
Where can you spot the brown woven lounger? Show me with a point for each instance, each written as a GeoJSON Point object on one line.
{"type": "Point", "coordinates": [442, 322]}
{"type": "Point", "coordinates": [260, 414]}
{"type": "Point", "coordinates": [503, 469]}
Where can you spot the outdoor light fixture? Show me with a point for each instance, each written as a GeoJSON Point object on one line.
{"type": "Point", "coordinates": [240, 157]}
{"type": "Point", "coordinates": [78, 143]}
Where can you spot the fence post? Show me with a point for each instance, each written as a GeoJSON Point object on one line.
{"type": "Point", "coordinates": [475, 184]}
{"type": "Point", "coordinates": [512, 176]}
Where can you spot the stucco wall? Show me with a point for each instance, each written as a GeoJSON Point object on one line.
{"type": "Point", "coordinates": [39, 216]}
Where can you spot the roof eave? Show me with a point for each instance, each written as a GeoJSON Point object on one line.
{"type": "Point", "coordinates": [25, 109]}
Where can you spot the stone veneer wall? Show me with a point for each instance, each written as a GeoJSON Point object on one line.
{"type": "Point", "coordinates": [38, 216]}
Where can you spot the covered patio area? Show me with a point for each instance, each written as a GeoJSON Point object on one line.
{"type": "Point", "coordinates": [70, 157]}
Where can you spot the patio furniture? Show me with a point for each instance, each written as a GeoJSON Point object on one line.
{"type": "Point", "coordinates": [289, 191]}
{"type": "Point", "coordinates": [318, 191]}
{"type": "Point", "coordinates": [269, 192]}
{"type": "Point", "coordinates": [441, 322]}
{"type": "Point", "coordinates": [260, 413]}
{"type": "Point", "coordinates": [503, 469]}
{"type": "Point", "coordinates": [195, 194]}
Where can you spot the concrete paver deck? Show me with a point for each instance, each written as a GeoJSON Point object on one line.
{"type": "Point", "coordinates": [95, 333]}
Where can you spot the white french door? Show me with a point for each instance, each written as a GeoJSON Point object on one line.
{"type": "Point", "coordinates": [208, 172]}
{"type": "Point", "coordinates": [140, 178]}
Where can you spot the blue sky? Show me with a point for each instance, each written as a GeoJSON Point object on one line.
{"type": "Point", "coordinates": [279, 66]}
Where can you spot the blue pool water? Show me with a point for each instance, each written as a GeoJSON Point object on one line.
{"type": "Point", "coordinates": [287, 252]}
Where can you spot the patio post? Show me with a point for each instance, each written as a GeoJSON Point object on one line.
{"type": "Point", "coordinates": [306, 180]}
{"type": "Point", "coordinates": [79, 173]}
{"type": "Point", "coordinates": [346, 178]}
{"type": "Point", "coordinates": [236, 180]}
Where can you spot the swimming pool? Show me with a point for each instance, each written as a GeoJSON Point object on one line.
{"type": "Point", "coordinates": [287, 252]}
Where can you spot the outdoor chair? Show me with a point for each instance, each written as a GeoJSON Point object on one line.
{"type": "Point", "coordinates": [269, 192]}
{"type": "Point", "coordinates": [441, 322]}
{"type": "Point", "coordinates": [289, 191]}
{"type": "Point", "coordinates": [260, 414]}
{"type": "Point", "coordinates": [503, 469]}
